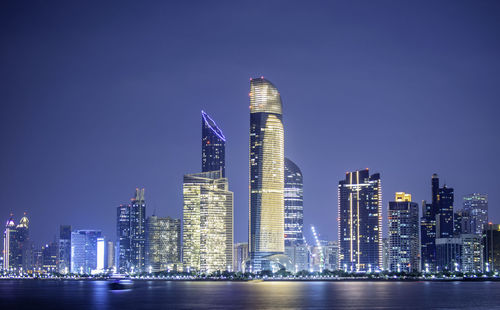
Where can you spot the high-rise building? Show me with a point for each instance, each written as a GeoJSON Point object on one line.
{"type": "Point", "coordinates": [491, 245]}
{"type": "Point", "coordinates": [240, 256]}
{"type": "Point", "coordinates": [110, 255]}
{"type": "Point", "coordinates": [299, 256]}
{"type": "Point", "coordinates": [50, 256]}
{"type": "Point", "coordinates": [294, 204]}
{"type": "Point", "coordinates": [84, 250]}
{"type": "Point", "coordinates": [17, 254]}
{"type": "Point", "coordinates": [475, 206]}
{"type": "Point", "coordinates": [64, 261]}
{"type": "Point", "coordinates": [213, 146]}
{"type": "Point", "coordinates": [332, 251]}
{"type": "Point", "coordinates": [131, 233]}
{"type": "Point", "coordinates": [404, 240]}
{"type": "Point", "coordinates": [448, 254]}
{"type": "Point", "coordinates": [10, 248]}
{"type": "Point", "coordinates": [163, 243]}
{"type": "Point", "coordinates": [207, 222]}
{"type": "Point", "coordinates": [472, 253]}
{"type": "Point", "coordinates": [444, 220]}
{"type": "Point", "coordinates": [436, 222]}
{"type": "Point", "coordinates": [266, 220]}
{"type": "Point", "coordinates": [360, 221]}
{"type": "Point", "coordinates": [385, 254]}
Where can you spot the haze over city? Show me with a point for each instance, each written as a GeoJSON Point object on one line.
{"type": "Point", "coordinates": [97, 102]}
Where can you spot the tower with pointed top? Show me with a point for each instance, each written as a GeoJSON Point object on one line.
{"type": "Point", "coordinates": [213, 146]}
{"type": "Point", "coordinates": [266, 220]}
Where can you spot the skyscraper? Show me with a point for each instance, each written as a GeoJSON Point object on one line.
{"type": "Point", "coordinates": [207, 222]}
{"type": "Point", "coordinates": [403, 234]}
{"type": "Point", "coordinates": [294, 204]}
{"type": "Point", "coordinates": [475, 207]}
{"type": "Point", "coordinates": [10, 249]}
{"type": "Point", "coordinates": [360, 221]}
{"type": "Point", "coordinates": [17, 255]}
{"type": "Point", "coordinates": [436, 222]}
{"type": "Point", "coordinates": [84, 250]}
{"type": "Point", "coordinates": [240, 256]}
{"type": "Point", "coordinates": [163, 243]}
{"type": "Point", "coordinates": [266, 227]}
{"type": "Point", "coordinates": [131, 233]}
{"type": "Point", "coordinates": [64, 261]}
{"type": "Point", "coordinates": [213, 146]}
{"type": "Point", "coordinates": [491, 246]}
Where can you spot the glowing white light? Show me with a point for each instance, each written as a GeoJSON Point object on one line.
{"type": "Point", "coordinates": [100, 253]}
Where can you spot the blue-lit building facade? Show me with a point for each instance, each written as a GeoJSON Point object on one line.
{"type": "Point", "coordinates": [213, 146]}
{"type": "Point", "coordinates": [266, 227]}
{"type": "Point", "coordinates": [131, 234]}
{"type": "Point", "coordinates": [360, 221]}
{"type": "Point", "coordinates": [475, 213]}
{"type": "Point", "coordinates": [64, 249]}
{"type": "Point", "coordinates": [84, 251]}
{"type": "Point", "coordinates": [294, 204]}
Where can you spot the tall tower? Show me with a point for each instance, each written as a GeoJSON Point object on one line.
{"type": "Point", "coordinates": [131, 233]}
{"type": "Point", "coordinates": [10, 248]}
{"type": "Point", "coordinates": [207, 233]}
{"type": "Point", "coordinates": [403, 234]}
{"type": "Point", "coordinates": [360, 221]}
{"type": "Point", "coordinates": [294, 204]}
{"type": "Point", "coordinates": [475, 209]}
{"type": "Point", "coordinates": [213, 146]}
{"type": "Point", "coordinates": [266, 219]}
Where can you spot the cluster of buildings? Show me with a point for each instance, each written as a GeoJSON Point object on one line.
{"type": "Point", "coordinates": [439, 238]}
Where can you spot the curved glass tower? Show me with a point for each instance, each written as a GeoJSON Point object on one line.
{"type": "Point", "coordinates": [266, 227]}
{"type": "Point", "coordinates": [213, 146]}
{"type": "Point", "coordinates": [294, 204]}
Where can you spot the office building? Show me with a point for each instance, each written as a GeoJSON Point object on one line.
{"type": "Point", "coordinates": [299, 255]}
{"type": "Point", "coordinates": [131, 234]}
{"type": "Point", "coordinates": [491, 246]}
{"type": "Point", "coordinates": [110, 255]}
{"type": "Point", "coordinates": [17, 250]}
{"type": "Point", "coordinates": [332, 251]}
{"type": "Point", "coordinates": [207, 223]}
{"type": "Point", "coordinates": [294, 204]}
{"type": "Point", "coordinates": [266, 220]}
{"type": "Point", "coordinates": [475, 206]}
{"type": "Point", "coordinates": [448, 254]}
{"type": "Point", "coordinates": [213, 146]}
{"type": "Point", "coordinates": [472, 253]}
{"type": "Point", "coordinates": [240, 256]}
{"type": "Point", "coordinates": [404, 240]}
{"type": "Point", "coordinates": [163, 243]}
{"type": "Point", "coordinates": [64, 261]}
{"type": "Point", "coordinates": [50, 255]}
{"type": "Point", "coordinates": [360, 221]}
{"type": "Point", "coordinates": [84, 251]}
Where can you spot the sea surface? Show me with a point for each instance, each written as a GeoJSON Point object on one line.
{"type": "Point", "coordinates": [72, 295]}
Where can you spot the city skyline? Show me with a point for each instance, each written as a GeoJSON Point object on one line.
{"type": "Point", "coordinates": [76, 150]}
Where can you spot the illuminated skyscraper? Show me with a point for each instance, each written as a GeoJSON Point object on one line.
{"type": "Point", "coordinates": [213, 146]}
{"type": "Point", "coordinates": [266, 227]}
{"type": "Point", "coordinates": [403, 234]}
{"type": "Point", "coordinates": [294, 204]}
{"type": "Point", "coordinates": [18, 254]}
{"type": "Point", "coordinates": [360, 221]}
{"type": "Point", "coordinates": [207, 223]}
{"type": "Point", "coordinates": [84, 250]}
{"type": "Point", "coordinates": [131, 233]}
{"type": "Point", "coordinates": [10, 249]}
{"type": "Point", "coordinates": [163, 243]}
{"type": "Point", "coordinates": [475, 211]}
{"type": "Point", "coordinates": [240, 256]}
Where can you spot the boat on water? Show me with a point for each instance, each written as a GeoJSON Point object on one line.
{"type": "Point", "coordinates": [120, 282]}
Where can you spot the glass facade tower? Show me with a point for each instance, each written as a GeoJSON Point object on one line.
{"type": "Point", "coordinates": [266, 218]}
{"type": "Point", "coordinates": [207, 233]}
{"type": "Point", "coordinates": [131, 233]}
{"type": "Point", "coordinates": [64, 261]}
{"type": "Point", "coordinates": [294, 204]}
{"type": "Point", "coordinates": [475, 213]}
{"type": "Point", "coordinates": [213, 146]}
{"type": "Point", "coordinates": [84, 250]}
{"type": "Point", "coordinates": [360, 221]}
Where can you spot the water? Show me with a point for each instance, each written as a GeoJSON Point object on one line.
{"type": "Point", "coordinates": [72, 295]}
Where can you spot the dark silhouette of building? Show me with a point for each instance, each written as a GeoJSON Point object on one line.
{"type": "Point", "coordinates": [64, 261]}
{"type": "Point", "coordinates": [491, 247]}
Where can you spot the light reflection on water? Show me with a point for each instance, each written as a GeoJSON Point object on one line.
{"type": "Point", "coordinates": [250, 295]}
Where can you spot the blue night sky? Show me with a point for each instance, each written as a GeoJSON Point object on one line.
{"type": "Point", "coordinates": [99, 98]}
